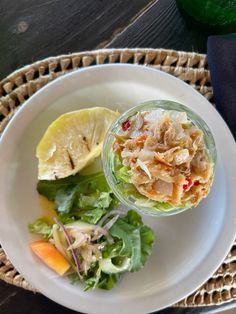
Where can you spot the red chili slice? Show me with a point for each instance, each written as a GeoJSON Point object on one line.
{"type": "Point", "coordinates": [125, 125]}
{"type": "Point", "coordinates": [187, 185]}
{"type": "Point", "coordinates": [196, 183]}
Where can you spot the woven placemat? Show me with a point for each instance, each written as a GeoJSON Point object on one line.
{"type": "Point", "coordinates": [189, 67]}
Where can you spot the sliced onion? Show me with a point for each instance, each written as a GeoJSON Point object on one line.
{"type": "Point", "coordinates": [119, 212]}
{"type": "Point", "coordinates": [103, 232]}
{"type": "Point", "coordinates": [144, 168]}
{"type": "Point", "coordinates": [111, 222]}
{"type": "Point", "coordinates": [70, 242]}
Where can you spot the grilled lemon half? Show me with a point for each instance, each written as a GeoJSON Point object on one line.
{"type": "Point", "coordinates": [72, 142]}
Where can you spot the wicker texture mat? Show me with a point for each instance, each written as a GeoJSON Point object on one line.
{"type": "Point", "coordinates": [189, 67]}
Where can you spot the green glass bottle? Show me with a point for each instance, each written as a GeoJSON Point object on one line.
{"type": "Point", "coordinates": [217, 15]}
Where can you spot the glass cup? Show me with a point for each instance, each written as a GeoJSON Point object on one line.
{"type": "Point", "coordinates": [126, 192]}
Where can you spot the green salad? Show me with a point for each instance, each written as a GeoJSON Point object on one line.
{"type": "Point", "coordinates": [92, 240]}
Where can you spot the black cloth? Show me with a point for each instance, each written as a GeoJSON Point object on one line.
{"type": "Point", "coordinates": [221, 53]}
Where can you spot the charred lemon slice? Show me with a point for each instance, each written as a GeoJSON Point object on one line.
{"type": "Point", "coordinates": [72, 142]}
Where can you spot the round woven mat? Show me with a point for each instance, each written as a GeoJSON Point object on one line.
{"type": "Point", "coordinates": [190, 67]}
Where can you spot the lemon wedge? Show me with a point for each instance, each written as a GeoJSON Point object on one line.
{"type": "Point", "coordinates": [72, 142]}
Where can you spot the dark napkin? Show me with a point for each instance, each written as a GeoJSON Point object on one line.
{"type": "Point", "coordinates": [221, 53]}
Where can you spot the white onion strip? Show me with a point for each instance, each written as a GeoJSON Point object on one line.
{"type": "Point", "coordinates": [119, 212]}
{"type": "Point", "coordinates": [111, 222]}
{"type": "Point", "coordinates": [68, 239]}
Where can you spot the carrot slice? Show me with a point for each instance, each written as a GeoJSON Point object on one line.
{"type": "Point", "coordinates": [50, 256]}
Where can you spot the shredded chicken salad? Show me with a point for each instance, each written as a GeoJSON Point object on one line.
{"type": "Point", "coordinates": [164, 155]}
{"type": "Point", "coordinates": [90, 238]}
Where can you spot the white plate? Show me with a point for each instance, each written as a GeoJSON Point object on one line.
{"type": "Point", "coordinates": [189, 247]}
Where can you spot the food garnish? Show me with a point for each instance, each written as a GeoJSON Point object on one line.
{"type": "Point", "coordinates": [72, 142]}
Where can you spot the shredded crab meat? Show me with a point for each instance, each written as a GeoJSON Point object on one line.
{"type": "Point", "coordinates": [167, 157]}
{"type": "Point", "coordinates": [84, 242]}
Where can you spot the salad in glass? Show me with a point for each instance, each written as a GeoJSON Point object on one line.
{"type": "Point", "coordinates": [159, 158]}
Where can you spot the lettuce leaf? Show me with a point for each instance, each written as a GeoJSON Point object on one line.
{"type": "Point", "coordinates": [77, 193]}
{"type": "Point", "coordinates": [42, 227]}
{"type": "Point", "coordinates": [49, 188]}
{"type": "Point", "coordinates": [92, 216]}
{"type": "Point", "coordinates": [95, 200]}
{"type": "Point", "coordinates": [65, 199]}
{"type": "Point", "coordinates": [123, 174]}
{"type": "Point", "coordinates": [87, 201]}
{"type": "Point", "coordinates": [104, 200]}
{"type": "Point", "coordinates": [85, 184]}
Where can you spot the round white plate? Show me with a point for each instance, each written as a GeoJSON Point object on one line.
{"type": "Point", "coordinates": [188, 248]}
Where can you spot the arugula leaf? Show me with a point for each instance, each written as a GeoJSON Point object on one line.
{"type": "Point", "coordinates": [137, 239]}
{"type": "Point", "coordinates": [41, 226]}
{"type": "Point", "coordinates": [123, 231]}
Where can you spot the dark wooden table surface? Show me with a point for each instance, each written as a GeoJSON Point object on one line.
{"type": "Point", "coordinates": [31, 30]}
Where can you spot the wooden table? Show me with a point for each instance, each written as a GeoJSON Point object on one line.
{"type": "Point", "coordinates": [31, 30]}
